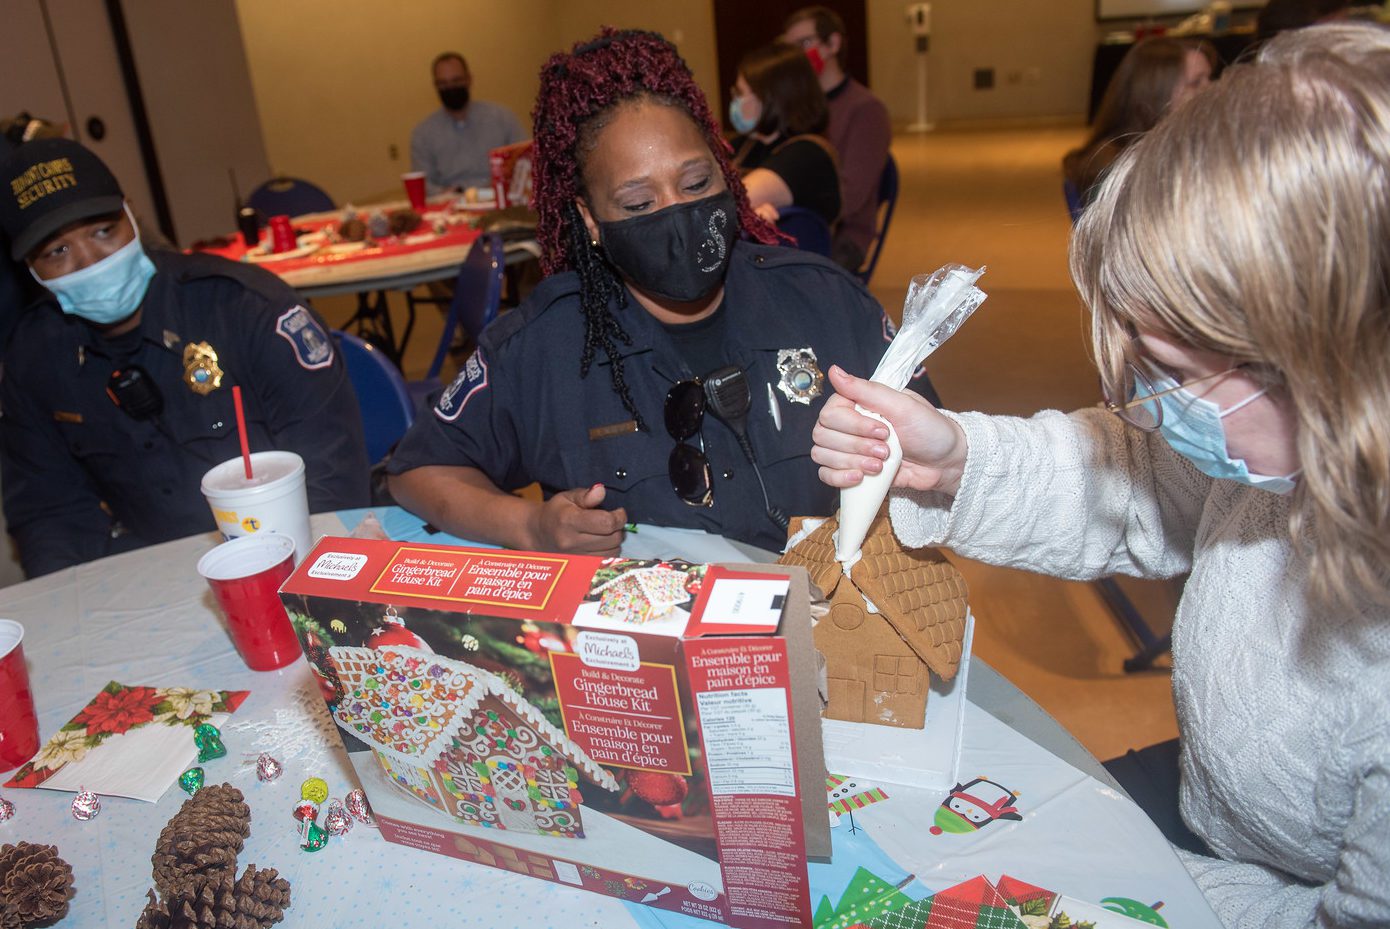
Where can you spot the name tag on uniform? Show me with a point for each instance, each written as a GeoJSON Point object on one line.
{"type": "Point", "coordinates": [612, 429]}
{"type": "Point", "coordinates": [63, 416]}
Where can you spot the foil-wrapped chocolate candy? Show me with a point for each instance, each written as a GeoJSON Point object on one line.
{"type": "Point", "coordinates": [356, 804]}
{"type": "Point", "coordinates": [85, 806]}
{"type": "Point", "coordinates": [6, 810]}
{"type": "Point", "coordinates": [191, 780]}
{"type": "Point", "coordinates": [338, 822]}
{"type": "Point", "coordinates": [268, 768]}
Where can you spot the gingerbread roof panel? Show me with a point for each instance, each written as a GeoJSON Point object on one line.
{"type": "Point", "coordinates": [815, 552]}
{"type": "Point", "coordinates": [920, 594]}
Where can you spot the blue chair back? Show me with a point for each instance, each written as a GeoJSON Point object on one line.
{"type": "Point", "coordinates": [477, 300]}
{"type": "Point", "coordinates": [809, 229]}
{"type": "Point", "coordinates": [290, 196]}
{"type": "Point", "coordinates": [382, 396]}
{"type": "Point", "coordinates": [477, 295]}
{"type": "Point", "coordinates": [1073, 198]}
{"type": "Point", "coordinates": [887, 194]}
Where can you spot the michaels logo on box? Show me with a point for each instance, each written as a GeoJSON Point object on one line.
{"type": "Point", "coordinates": [607, 650]}
{"type": "Point", "coordinates": [338, 566]}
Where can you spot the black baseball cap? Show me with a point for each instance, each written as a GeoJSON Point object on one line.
{"type": "Point", "coordinates": [49, 183]}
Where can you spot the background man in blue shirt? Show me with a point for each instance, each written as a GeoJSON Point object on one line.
{"type": "Point", "coordinates": [451, 145]}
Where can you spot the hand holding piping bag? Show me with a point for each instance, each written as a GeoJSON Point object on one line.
{"type": "Point", "coordinates": [849, 442]}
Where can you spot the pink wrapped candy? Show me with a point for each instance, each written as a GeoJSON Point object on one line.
{"type": "Point", "coordinates": [86, 805]}
{"type": "Point", "coordinates": [6, 810]}
{"type": "Point", "coordinates": [356, 804]}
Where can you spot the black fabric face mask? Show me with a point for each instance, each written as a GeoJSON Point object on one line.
{"type": "Point", "coordinates": [453, 98]}
{"type": "Point", "coordinates": [680, 253]}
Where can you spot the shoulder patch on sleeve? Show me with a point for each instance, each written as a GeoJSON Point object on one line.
{"type": "Point", "coordinates": [312, 347]}
{"type": "Point", "coordinates": [472, 378]}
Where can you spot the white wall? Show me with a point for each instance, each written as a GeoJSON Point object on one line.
{"type": "Point", "coordinates": [1041, 53]}
{"type": "Point", "coordinates": [340, 85]}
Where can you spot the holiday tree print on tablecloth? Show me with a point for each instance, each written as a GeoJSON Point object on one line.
{"type": "Point", "coordinates": [116, 710]}
{"type": "Point", "coordinates": [974, 904]}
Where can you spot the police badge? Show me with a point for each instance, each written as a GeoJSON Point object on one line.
{"type": "Point", "coordinates": [801, 381]}
{"type": "Point", "coordinates": [200, 369]}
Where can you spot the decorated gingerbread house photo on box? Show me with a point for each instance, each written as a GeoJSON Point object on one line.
{"type": "Point", "coordinates": [614, 724]}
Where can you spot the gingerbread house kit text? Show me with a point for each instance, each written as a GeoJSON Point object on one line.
{"type": "Point", "coordinates": [642, 729]}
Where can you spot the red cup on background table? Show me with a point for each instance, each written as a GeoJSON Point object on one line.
{"type": "Point", "coordinates": [281, 234]}
{"type": "Point", "coordinates": [245, 575]}
{"type": "Point", "coordinates": [19, 724]}
{"type": "Point", "coordinates": [414, 182]}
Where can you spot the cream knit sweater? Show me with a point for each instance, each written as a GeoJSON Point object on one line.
{"type": "Point", "coordinates": [1284, 708]}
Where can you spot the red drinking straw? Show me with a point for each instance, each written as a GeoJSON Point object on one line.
{"type": "Point", "coordinates": [241, 430]}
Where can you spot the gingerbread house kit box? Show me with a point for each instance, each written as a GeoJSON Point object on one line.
{"type": "Point", "coordinates": [642, 729]}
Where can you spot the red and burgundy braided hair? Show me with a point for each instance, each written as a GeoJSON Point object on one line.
{"type": "Point", "coordinates": [578, 91]}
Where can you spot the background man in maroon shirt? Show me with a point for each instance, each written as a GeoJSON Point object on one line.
{"type": "Point", "coordinates": [859, 129]}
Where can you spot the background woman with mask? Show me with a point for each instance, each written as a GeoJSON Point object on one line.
{"type": "Point", "coordinates": [594, 386]}
{"type": "Point", "coordinates": [781, 112]}
{"type": "Point", "coordinates": [1241, 331]}
{"type": "Point", "coordinates": [1154, 77]}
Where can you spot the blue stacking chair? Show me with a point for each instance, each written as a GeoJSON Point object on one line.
{"type": "Point", "coordinates": [382, 396]}
{"type": "Point", "coordinates": [809, 229]}
{"type": "Point", "coordinates": [887, 200]}
{"type": "Point", "coordinates": [290, 196]}
{"type": "Point", "coordinates": [477, 300]}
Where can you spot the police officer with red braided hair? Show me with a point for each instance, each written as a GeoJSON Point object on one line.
{"type": "Point", "coordinates": [117, 389]}
{"type": "Point", "coordinates": [669, 368]}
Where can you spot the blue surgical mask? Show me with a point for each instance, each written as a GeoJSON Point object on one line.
{"type": "Point", "coordinates": [109, 290]}
{"type": "Point", "coordinates": [1192, 426]}
{"type": "Point", "coordinates": [740, 121]}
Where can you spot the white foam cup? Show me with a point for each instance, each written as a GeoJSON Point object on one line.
{"type": "Point", "coordinates": [274, 500]}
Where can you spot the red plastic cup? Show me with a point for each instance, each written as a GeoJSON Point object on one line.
{"type": "Point", "coordinates": [414, 182]}
{"type": "Point", "coordinates": [19, 724]}
{"type": "Point", "coordinates": [245, 575]}
{"type": "Point", "coordinates": [281, 234]}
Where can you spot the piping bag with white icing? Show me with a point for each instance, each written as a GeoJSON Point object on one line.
{"type": "Point", "coordinates": [936, 306]}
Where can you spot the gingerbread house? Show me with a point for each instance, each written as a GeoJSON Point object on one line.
{"type": "Point", "coordinates": [458, 739]}
{"type": "Point", "coordinates": [643, 594]}
{"type": "Point", "coordinates": [893, 617]}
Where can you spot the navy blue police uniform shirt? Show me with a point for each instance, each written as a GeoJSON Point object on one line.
{"type": "Point", "coordinates": [519, 411]}
{"type": "Point", "coordinates": [83, 479]}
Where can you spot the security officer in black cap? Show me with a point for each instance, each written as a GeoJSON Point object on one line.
{"type": "Point", "coordinates": [116, 395]}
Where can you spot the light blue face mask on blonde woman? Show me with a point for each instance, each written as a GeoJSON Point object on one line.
{"type": "Point", "coordinates": [109, 290]}
{"type": "Point", "coordinates": [1192, 426]}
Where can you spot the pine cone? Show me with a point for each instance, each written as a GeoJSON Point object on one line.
{"type": "Point", "coordinates": [35, 884]}
{"type": "Point", "coordinates": [9, 918]}
{"type": "Point", "coordinates": [202, 839]}
{"type": "Point", "coordinates": [154, 915]}
{"type": "Point", "coordinates": [256, 900]}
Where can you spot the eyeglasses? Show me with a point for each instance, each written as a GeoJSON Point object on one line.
{"type": "Point", "coordinates": [1145, 412]}
{"type": "Point", "coordinates": [688, 468]}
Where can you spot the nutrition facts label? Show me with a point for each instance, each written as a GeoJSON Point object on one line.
{"type": "Point", "coordinates": [747, 740]}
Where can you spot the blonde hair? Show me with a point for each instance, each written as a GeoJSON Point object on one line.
{"type": "Point", "coordinates": [1255, 222]}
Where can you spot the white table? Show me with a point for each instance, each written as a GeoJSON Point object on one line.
{"type": "Point", "coordinates": [145, 617]}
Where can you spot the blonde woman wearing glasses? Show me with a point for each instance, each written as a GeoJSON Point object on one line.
{"type": "Point", "coordinates": [1237, 266]}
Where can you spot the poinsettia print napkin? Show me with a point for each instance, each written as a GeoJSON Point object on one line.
{"type": "Point", "coordinates": [130, 742]}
